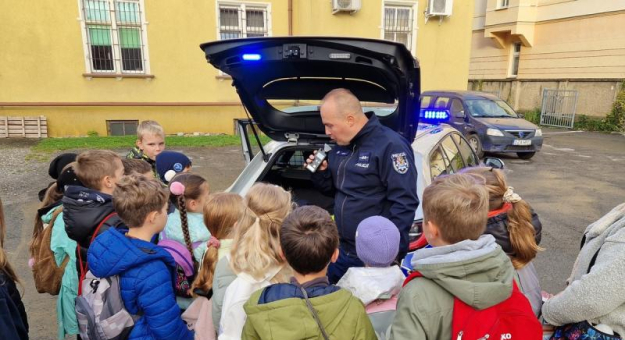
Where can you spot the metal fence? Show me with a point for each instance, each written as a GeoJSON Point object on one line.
{"type": "Point", "coordinates": [558, 108]}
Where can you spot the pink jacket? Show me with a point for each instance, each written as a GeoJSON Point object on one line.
{"type": "Point", "coordinates": [199, 317]}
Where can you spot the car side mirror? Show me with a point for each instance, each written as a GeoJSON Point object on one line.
{"type": "Point", "coordinates": [494, 162]}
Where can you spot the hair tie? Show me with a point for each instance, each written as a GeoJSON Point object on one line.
{"type": "Point", "coordinates": [510, 196]}
{"type": "Point", "coordinates": [213, 242]}
{"type": "Point", "coordinates": [177, 188]}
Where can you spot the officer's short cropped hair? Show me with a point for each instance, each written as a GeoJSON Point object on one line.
{"type": "Point", "coordinates": [308, 238]}
{"type": "Point", "coordinates": [136, 196]}
{"type": "Point", "coordinates": [149, 127]}
{"type": "Point", "coordinates": [458, 205]}
{"type": "Point", "coordinates": [93, 165]}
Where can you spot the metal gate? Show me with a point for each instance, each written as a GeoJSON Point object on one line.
{"type": "Point", "coordinates": [558, 108]}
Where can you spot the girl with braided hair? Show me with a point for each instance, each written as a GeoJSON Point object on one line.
{"type": "Point", "coordinates": [189, 194]}
{"type": "Point", "coordinates": [516, 228]}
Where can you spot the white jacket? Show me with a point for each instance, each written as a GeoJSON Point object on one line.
{"type": "Point", "coordinates": [238, 292]}
{"type": "Point", "coordinates": [596, 296]}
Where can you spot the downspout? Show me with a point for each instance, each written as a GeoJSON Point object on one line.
{"type": "Point", "coordinates": [290, 9]}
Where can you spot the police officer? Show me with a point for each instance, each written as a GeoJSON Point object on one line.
{"type": "Point", "coordinates": [370, 172]}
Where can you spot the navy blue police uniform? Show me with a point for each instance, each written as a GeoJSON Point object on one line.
{"type": "Point", "coordinates": [374, 175]}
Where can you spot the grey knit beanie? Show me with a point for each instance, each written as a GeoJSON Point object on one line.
{"type": "Point", "coordinates": [377, 241]}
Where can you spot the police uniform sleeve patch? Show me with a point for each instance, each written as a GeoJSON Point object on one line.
{"type": "Point", "coordinates": [400, 162]}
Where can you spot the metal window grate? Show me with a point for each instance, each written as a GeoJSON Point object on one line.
{"type": "Point", "coordinates": [114, 31]}
{"type": "Point", "coordinates": [122, 127]}
{"type": "Point", "coordinates": [398, 24]}
{"type": "Point", "coordinates": [243, 21]}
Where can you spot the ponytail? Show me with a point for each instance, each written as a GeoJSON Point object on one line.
{"type": "Point", "coordinates": [522, 234]}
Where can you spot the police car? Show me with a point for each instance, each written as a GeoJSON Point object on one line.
{"type": "Point", "coordinates": [266, 72]}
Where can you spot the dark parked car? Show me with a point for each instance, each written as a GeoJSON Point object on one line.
{"type": "Point", "coordinates": [488, 122]}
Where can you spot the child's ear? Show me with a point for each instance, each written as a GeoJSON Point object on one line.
{"type": "Point", "coordinates": [282, 254]}
{"type": "Point", "coordinates": [139, 144]}
{"type": "Point", "coordinates": [151, 218]}
{"type": "Point", "coordinates": [335, 255]}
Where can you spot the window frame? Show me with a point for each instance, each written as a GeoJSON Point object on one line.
{"type": "Point", "coordinates": [513, 71]}
{"type": "Point", "coordinates": [503, 4]}
{"type": "Point", "coordinates": [241, 6]}
{"type": "Point", "coordinates": [413, 6]}
{"type": "Point", "coordinates": [122, 121]}
{"type": "Point", "coordinates": [451, 108]}
{"type": "Point", "coordinates": [116, 49]}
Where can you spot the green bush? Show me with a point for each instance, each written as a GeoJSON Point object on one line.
{"type": "Point", "coordinates": [616, 118]}
{"type": "Point", "coordinates": [92, 133]}
{"type": "Point", "coordinates": [532, 116]}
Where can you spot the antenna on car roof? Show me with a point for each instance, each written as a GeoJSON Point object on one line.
{"type": "Point", "coordinates": [260, 145]}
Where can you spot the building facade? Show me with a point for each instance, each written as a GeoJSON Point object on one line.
{"type": "Point", "coordinates": [521, 47]}
{"type": "Point", "coordinates": [103, 65]}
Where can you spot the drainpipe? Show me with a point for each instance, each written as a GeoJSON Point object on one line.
{"type": "Point", "coordinates": [290, 9]}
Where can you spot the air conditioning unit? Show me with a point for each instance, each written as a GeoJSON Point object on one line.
{"type": "Point", "coordinates": [439, 8]}
{"type": "Point", "coordinates": [345, 6]}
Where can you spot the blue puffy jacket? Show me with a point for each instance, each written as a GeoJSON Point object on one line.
{"type": "Point", "coordinates": [374, 175]}
{"type": "Point", "coordinates": [147, 274]}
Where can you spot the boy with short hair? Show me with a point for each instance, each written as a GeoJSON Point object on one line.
{"type": "Point", "coordinates": [146, 270]}
{"type": "Point", "coordinates": [462, 262]}
{"type": "Point", "coordinates": [137, 166]}
{"type": "Point", "coordinates": [150, 142]}
{"type": "Point", "coordinates": [308, 307]}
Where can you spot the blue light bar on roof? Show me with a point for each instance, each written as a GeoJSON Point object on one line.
{"type": "Point", "coordinates": [251, 56]}
{"type": "Point", "coordinates": [435, 114]}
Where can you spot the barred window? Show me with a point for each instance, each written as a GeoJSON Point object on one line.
{"type": "Point", "coordinates": [399, 24]}
{"type": "Point", "coordinates": [243, 21]}
{"type": "Point", "coordinates": [115, 36]}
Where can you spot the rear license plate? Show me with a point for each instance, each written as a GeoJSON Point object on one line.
{"type": "Point", "coordinates": [522, 142]}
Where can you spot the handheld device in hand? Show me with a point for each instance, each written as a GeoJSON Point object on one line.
{"type": "Point", "coordinates": [320, 156]}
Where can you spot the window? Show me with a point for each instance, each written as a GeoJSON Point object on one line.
{"type": "Point", "coordinates": [243, 20]}
{"type": "Point", "coordinates": [438, 163]}
{"type": "Point", "coordinates": [425, 102]}
{"type": "Point", "coordinates": [516, 56]}
{"type": "Point", "coordinates": [453, 155]}
{"type": "Point", "coordinates": [503, 3]}
{"type": "Point", "coordinates": [441, 103]}
{"type": "Point", "coordinates": [465, 150]}
{"type": "Point", "coordinates": [457, 110]}
{"type": "Point", "coordinates": [122, 127]}
{"type": "Point", "coordinates": [115, 39]}
{"type": "Point", "coordinates": [399, 24]}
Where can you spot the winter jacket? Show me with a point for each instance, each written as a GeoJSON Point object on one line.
{"type": "Point", "coordinates": [197, 231]}
{"type": "Point", "coordinates": [527, 276]}
{"type": "Point", "coordinates": [83, 210]}
{"type": "Point", "coordinates": [377, 288]}
{"type": "Point", "coordinates": [498, 227]}
{"type": "Point", "coordinates": [477, 272]}
{"type": "Point", "coordinates": [374, 175]}
{"type": "Point", "coordinates": [238, 292]}
{"type": "Point", "coordinates": [280, 312]}
{"type": "Point", "coordinates": [222, 278]}
{"type": "Point", "coordinates": [146, 282]}
{"type": "Point", "coordinates": [136, 153]}
{"type": "Point", "coordinates": [13, 319]}
{"type": "Point", "coordinates": [595, 295]}
{"type": "Point", "coordinates": [62, 246]}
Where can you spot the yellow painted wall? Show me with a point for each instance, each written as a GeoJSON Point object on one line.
{"type": "Point", "coordinates": [42, 59]}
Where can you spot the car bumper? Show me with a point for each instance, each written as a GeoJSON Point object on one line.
{"type": "Point", "coordinates": [506, 144]}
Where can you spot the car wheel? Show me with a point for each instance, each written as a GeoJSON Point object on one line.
{"type": "Point", "coordinates": [475, 143]}
{"type": "Point", "coordinates": [525, 155]}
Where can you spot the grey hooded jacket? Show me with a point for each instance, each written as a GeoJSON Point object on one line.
{"type": "Point", "coordinates": [596, 295]}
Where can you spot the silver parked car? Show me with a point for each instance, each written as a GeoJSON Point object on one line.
{"type": "Point", "coordinates": [264, 70]}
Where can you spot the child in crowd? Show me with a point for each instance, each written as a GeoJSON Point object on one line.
{"type": "Point", "coordinates": [516, 229]}
{"type": "Point", "coordinates": [146, 270]}
{"type": "Point", "coordinates": [13, 319]}
{"type": "Point", "coordinates": [221, 213]}
{"type": "Point", "coordinates": [461, 263]}
{"type": "Point", "coordinates": [255, 254]}
{"type": "Point", "coordinates": [56, 167]}
{"type": "Point", "coordinates": [189, 193]}
{"type": "Point", "coordinates": [137, 166]}
{"type": "Point", "coordinates": [308, 307]}
{"type": "Point", "coordinates": [150, 142]}
{"type": "Point", "coordinates": [171, 163]}
{"type": "Point", "coordinates": [379, 282]}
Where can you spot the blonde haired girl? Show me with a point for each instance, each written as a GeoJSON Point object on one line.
{"type": "Point", "coordinates": [255, 255]}
{"type": "Point", "coordinates": [516, 229]}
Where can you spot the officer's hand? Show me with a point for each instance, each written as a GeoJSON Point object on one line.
{"type": "Point", "coordinates": [322, 167]}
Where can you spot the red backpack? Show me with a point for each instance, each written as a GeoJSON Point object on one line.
{"type": "Point", "coordinates": [511, 319]}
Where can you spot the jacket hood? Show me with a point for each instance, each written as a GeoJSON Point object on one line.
{"type": "Point", "coordinates": [271, 320]}
{"type": "Point", "coordinates": [477, 272]}
{"type": "Point", "coordinates": [83, 210]}
{"type": "Point", "coordinates": [370, 284]}
{"type": "Point", "coordinates": [112, 253]}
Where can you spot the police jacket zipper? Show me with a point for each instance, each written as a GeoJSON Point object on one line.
{"type": "Point", "coordinates": [344, 164]}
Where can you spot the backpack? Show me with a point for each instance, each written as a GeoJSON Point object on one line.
{"type": "Point", "coordinates": [185, 268]}
{"type": "Point", "coordinates": [46, 274]}
{"type": "Point", "coordinates": [100, 310]}
{"type": "Point", "coordinates": [511, 319]}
